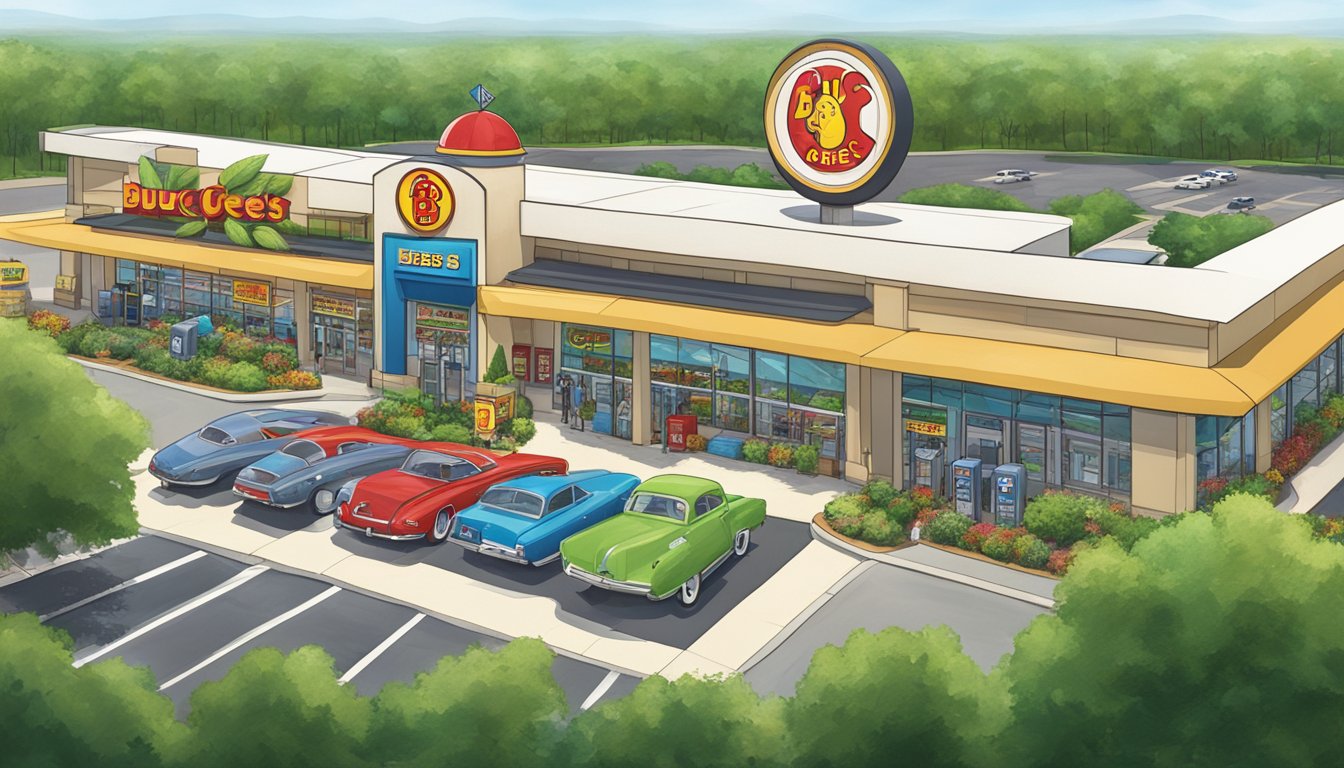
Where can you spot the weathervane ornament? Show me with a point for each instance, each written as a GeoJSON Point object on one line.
{"type": "Point", "coordinates": [482, 96]}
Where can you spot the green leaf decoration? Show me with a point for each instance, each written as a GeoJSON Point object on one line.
{"type": "Point", "coordinates": [269, 239]}
{"type": "Point", "coordinates": [182, 177]}
{"type": "Point", "coordinates": [149, 175]}
{"type": "Point", "coordinates": [238, 234]}
{"type": "Point", "coordinates": [288, 227]}
{"type": "Point", "coordinates": [251, 188]}
{"type": "Point", "coordinates": [241, 173]}
{"type": "Point", "coordinates": [277, 184]}
{"type": "Point", "coordinates": [191, 229]}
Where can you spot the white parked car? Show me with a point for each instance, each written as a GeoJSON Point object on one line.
{"type": "Point", "coordinates": [1013, 175]}
{"type": "Point", "coordinates": [1194, 182]}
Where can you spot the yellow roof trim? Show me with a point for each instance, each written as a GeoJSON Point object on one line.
{"type": "Point", "coordinates": [55, 233]}
{"type": "Point", "coordinates": [1296, 338]}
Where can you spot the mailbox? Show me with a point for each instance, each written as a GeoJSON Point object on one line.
{"type": "Point", "coordinates": [678, 428]}
{"type": "Point", "coordinates": [182, 341]}
{"type": "Point", "coordinates": [1009, 482]}
{"type": "Point", "coordinates": [929, 469]}
{"type": "Point", "coordinates": [966, 486]}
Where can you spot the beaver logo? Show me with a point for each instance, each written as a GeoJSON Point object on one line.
{"type": "Point", "coordinates": [825, 103]}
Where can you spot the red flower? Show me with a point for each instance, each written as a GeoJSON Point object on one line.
{"type": "Point", "coordinates": [1059, 561]}
{"type": "Point", "coordinates": [923, 491]}
{"type": "Point", "coordinates": [977, 535]}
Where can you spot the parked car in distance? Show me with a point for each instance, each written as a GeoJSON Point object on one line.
{"type": "Point", "coordinates": [675, 530]}
{"type": "Point", "coordinates": [310, 471]}
{"type": "Point", "coordinates": [1240, 205]}
{"type": "Point", "coordinates": [1013, 175]}
{"type": "Point", "coordinates": [1125, 251]}
{"type": "Point", "coordinates": [1219, 175]}
{"type": "Point", "coordinates": [1195, 182]}
{"type": "Point", "coordinates": [524, 520]}
{"type": "Point", "coordinates": [228, 444]}
{"type": "Point", "coordinates": [419, 499]}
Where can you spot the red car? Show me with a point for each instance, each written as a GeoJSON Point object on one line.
{"type": "Point", "coordinates": [419, 500]}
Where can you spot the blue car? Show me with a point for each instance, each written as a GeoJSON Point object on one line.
{"type": "Point", "coordinates": [524, 520]}
{"type": "Point", "coordinates": [228, 444]}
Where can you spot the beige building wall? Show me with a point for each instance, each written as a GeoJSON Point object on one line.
{"type": "Point", "coordinates": [1163, 451]}
{"type": "Point", "coordinates": [641, 403]}
{"type": "Point", "coordinates": [857, 403]}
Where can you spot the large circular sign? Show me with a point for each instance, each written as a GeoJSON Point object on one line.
{"type": "Point", "coordinates": [838, 119]}
{"type": "Point", "coordinates": [425, 201]}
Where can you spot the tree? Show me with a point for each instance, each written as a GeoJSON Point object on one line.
{"type": "Point", "coordinates": [1217, 641]}
{"type": "Point", "coordinates": [896, 697]}
{"type": "Point", "coordinates": [53, 714]}
{"type": "Point", "coordinates": [707, 723]}
{"type": "Point", "coordinates": [273, 709]}
{"type": "Point", "coordinates": [1096, 216]}
{"type": "Point", "coordinates": [65, 444]}
{"type": "Point", "coordinates": [484, 708]}
{"type": "Point", "coordinates": [499, 366]}
{"type": "Point", "coordinates": [1191, 240]}
{"type": "Point", "coordinates": [964, 196]}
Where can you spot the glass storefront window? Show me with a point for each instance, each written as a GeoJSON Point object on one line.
{"type": "Point", "coordinates": [920, 389]}
{"type": "Point", "coordinates": [1040, 409]}
{"type": "Point", "coordinates": [772, 376]}
{"type": "Point", "coordinates": [992, 401]}
{"type": "Point", "coordinates": [1229, 446]}
{"type": "Point", "coordinates": [696, 365]}
{"type": "Point", "coordinates": [1278, 415]}
{"type": "Point", "coordinates": [663, 359]}
{"type": "Point", "coordinates": [817, 384]}
{"type": "Point", "coordinates": [1304, 388]}
{"type": "Point", "coordinates": [171, 293]}
{"type": "Point", "coordinates": [222, 310]}
{"type": "Point", "coordinates": [125, 272]}
{"type": "Point", "coordinates": [1206, 448]}
{"type": "Point", "coordinates": [1248, 443]}
{"type": "Point", "coordinates": [1326, 364]}
{"type": "Point", "coordinates": [283, 299]}
{"type": "Point", "coordinates": [623, 342]}
{"type": "Point", "coordinates": [732, 385]}
{"type": "Point", "coordinates": [196, 294]}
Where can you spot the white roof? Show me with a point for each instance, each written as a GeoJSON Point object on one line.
{"type": "Point", "coordinates": [128, 144]}
{"type": "Point", "coordinates": [941, 247]}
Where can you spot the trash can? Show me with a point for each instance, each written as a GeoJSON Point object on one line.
{"type": "Point", "coordinates": [678, 428]}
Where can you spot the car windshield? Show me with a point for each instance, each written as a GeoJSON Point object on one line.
{"type": "Point", "coordinates": [512, 500]}
{"type": "Point", "coordinates": [310, 452]}
{"type": "Point", "coordinates": [436, 466]}
{"type": "Point", "coordinates": [657, 505]}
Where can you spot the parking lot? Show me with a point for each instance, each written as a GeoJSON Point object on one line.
{"type": "Point", "coordinates": [190, 615]}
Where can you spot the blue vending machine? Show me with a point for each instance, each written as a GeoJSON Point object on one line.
{"type": "Point", "coordinates": [966, 486]}
{"type": "Point", "coordinates": [1009, 482]}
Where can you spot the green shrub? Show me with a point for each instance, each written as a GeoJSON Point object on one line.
{"type": "Point", "coordinates": [243, 377]}
{"type": "Point", "coordinates": [93, 342]}
{"type": "Point", "coordinates": [755, 451]}
{"type": "Point", "coordinates": [999, 545]}
{"type": "Point", "coordinates": [1096, 216]}
{"type": "Point", "coordinates": [901, 512]}
{"type": "Point", "coordinates": [209, 345]}
{"type": "Point", "coordinates": [153, 359]}
{"type": "Point", "coordinates": [878, 529]}
{"type": "Point", "coordinates": [964, 196]}
{"type": "Point", "coordinates": [450, 433]}
{"type": "Point", "coordinates": [523, 430]}
{"type": "Point", "coordinates": [847, 505]}
{"type": "Point", "coordinates": [499, 366]}
{"type": "Point", "coordinates": [122, 346]}
{"type": "Point", "coordinates": [522, 408]}
{"type": "Point", "coordinates": [806, 459]}
{"type": "Point", "coordinates": [948, 527]}
{"type": "Point", "coordinates": [880, 492]}
{"type": "Point", "coordinates": [1060, 517]}
{"type": "Point", "coordinates": [71, 339]}
{"type": "Point", "coordinates": [1030, 552]}
{"type": "Point", "coordinates": [1192, 240]}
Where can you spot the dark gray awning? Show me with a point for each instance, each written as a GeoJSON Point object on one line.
{"type": "Point", "coordinates": [758, 299]}
{"type": "Point", "coordinates": [300, 245]}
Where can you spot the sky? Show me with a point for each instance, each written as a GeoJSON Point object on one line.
{"type": "Point", "coordinates": [708, 13]}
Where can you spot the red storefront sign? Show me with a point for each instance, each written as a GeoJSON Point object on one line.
{"type": "Point", "coordinates": [522, 359]}
{"type": "Point", "coordinates": [545, 357]}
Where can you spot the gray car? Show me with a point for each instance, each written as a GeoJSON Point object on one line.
{"type": "Point", "coordinates": [228, 444]}
{"type": "Point", "coordinates": [310, 471]}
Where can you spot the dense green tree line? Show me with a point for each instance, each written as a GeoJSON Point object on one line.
{"type": "Point", "coordinates": [1216, 640]}
{"type": "Point", "coordinates": [1222, 99]}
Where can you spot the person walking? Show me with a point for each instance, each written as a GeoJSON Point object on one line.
{"type": "Point", "coordinates": [580, 395]}
{"type": "Point", "coordinates": [565, 383]}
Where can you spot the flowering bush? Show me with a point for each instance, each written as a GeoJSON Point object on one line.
{"type": "Point", "coordinates": [276, 363]}
{"type": "Point", "coordinates": [1274, 476]}
{"type": "Point", "coordinates": [1292, 454]}
{"type": "Point", "coordinates": [696, 442]}
{"type": "Point", "coordinates": [925, 516]}
{"type": "Point", "coordinates": [1030, 552]}
{"type": "Point", "coordinates": [780, 455]}
{"type": "Point", "coordinates": [999, 545]}
{"type": "Point", "coordinates": [974, 538]}
{"type": "Point", "coordinates": [293, 380]}
{"type": "Point", "coordinates": [50, 322]}
{"type": "Point", "coordinates": [879, 492]}
{"type": "Point", "coordinates": [1059, 561]}
{"type": "Point", "coordinates": [1060, 516]}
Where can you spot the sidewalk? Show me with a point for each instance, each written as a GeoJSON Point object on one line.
{"type": "Point", "coordinates": [1322, 477]}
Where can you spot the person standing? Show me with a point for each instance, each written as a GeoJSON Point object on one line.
{"type": "Point", "coordinates": [565, 383]}
{"type": "Point", "coordinates": [580, 395]}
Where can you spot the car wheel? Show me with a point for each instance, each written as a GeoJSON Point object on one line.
{"type": "Point", "coordinates": [690, 591]}
{"type": "Point", "coordinates": [442, 523]}
{"type": "Point", "coordinates": [741, 542]}
{"type": "Point", "coordinates": [323, 501]}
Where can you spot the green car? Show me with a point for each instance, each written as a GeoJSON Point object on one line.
{"type": "Point", "coordinates": [674, 531]}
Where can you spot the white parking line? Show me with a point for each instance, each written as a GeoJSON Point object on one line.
{"type": "Point", "coordinates": [600, 690]}
{"type": "Point", "coordinates": [146, 576]}
{"type": "Point", "coordinates": [247, 637]}
{"type": "Point", "coordinates": [222, 589]}
{"type": "Point", "coordinates": [380, 649]}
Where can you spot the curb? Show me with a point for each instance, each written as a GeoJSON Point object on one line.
{"type": "Point", "coordinates": [928, 570]}
{"type": "Point", "coordinates": [230, 397]}
{"type": "Point", "coordinates": [802, 618]}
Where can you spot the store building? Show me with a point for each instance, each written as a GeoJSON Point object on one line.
{"type": "Point", "coordinates": [896, 339]}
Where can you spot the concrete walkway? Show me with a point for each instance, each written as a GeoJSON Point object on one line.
{"type": "Point", "coordinates": [1322, 477]}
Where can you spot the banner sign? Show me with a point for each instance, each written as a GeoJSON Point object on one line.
{"type": "Point", "coordinates": [926, 428]}
{"type": "Point", "coordinates": [447, 318]}
{"type": "Point", "coordinates": [13, 272]}
{"type": "Point", "coordinates": [436, 257]}
{"type": "Point", "coordinates": [485, 418]}
{"type": "Point", "coordinates": [212, 203]}
{"type": "Point", "coordinates": [248, 292]}
{"type": "Point", "coordinates": [522, 359]}
{"type": "Point", "coordinates": [589, 339]}
{"type": "Point", "coordinates": [65, 282]}
{"type": "Point", "coordinates": [334, 306]}
{"type": "Point", "coordinates": [545, 359]}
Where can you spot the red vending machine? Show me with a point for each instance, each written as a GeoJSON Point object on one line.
{"type": "Point", "coordinates": [678, 427]}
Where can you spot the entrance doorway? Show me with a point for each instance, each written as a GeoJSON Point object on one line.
{"type": "Point", "coordinates": [336, 347]}
{"type": "Point", "coordinates": [985, 440]}
{"type": "Point", "coordinates": [1037, 449]}
{"type": "Point", "coordinates": [664, 404]}
{"type": "Point", "coordinates": [443, 365]}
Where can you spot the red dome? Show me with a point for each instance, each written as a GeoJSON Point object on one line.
{"type": "Point", "coordinates": [480, 134]}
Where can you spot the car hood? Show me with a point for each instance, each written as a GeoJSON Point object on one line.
{"type": "Point", "coordinates": [279, 464]}
{"type": "Point", "coordinates": [386, 492]}
{"type": "Point", "coordinates": [184, 451]}
{"type": "Point", "coordinates": [628, 543]}
{"type": "Point", "coordinates": [502, 528]}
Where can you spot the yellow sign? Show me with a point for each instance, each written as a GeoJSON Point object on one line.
{"type": "Point", "coordinates": [485, 418]}
{"type": "Point", "coordinates": [335, 306]}
{"type": "Point", "coordinates": [926, 428]}
{"type": "Point", "coordinates": [425, 201]}
{"type": "Point", "coordinates": [247, 292]}
{"type": "Point", "coordinates": [65, 282]}
{"type": "Point", "coordinates": [13, 272]}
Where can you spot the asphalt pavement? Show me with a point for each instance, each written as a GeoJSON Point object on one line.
{"type": "Point", "coordinates": [189, 615]}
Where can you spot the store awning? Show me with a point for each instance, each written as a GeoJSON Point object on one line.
{"type": "Point", "coordinates": [793, 303]}
{"type": "Point", "coordinates": [56, 234]}
{"type": "Point", "coordinates": [1070, 373]}
{"type": "Point", "coordinates": [842, 342]}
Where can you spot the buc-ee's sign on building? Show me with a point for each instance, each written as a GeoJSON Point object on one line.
{"type": "Point", "coordinates": [838, 120]}
{"type": "Point", "coordinates": [212, 203]}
